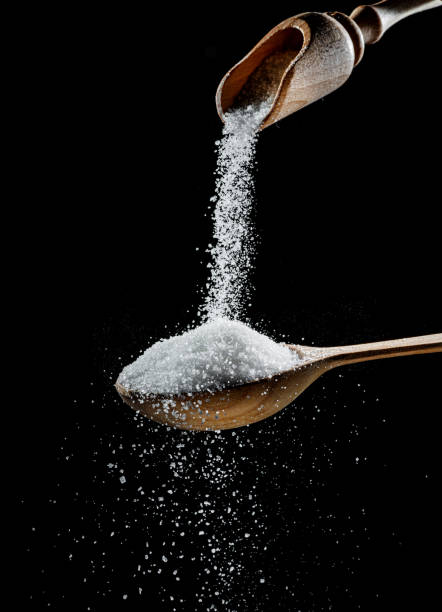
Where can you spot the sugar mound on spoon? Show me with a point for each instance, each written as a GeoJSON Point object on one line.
{"type": "Point", "coordinates": [218, 354]}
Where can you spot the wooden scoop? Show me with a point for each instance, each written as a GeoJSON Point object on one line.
{"type": "Point", "coordinates": [257, 400]}
{"type": "Point", "coordinates": [325, 48]}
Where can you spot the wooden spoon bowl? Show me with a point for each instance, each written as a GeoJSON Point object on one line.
{"type": "Point", "coordinates": [257, 400]}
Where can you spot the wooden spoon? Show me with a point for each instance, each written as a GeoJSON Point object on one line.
{"type": "Point", "coordinates": [257, 400]}
{"type": "Point", "coordinates": [325, 48]}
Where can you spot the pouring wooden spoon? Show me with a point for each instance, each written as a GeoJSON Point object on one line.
{"type": "Point", "coordinates": [325, 47]}
{"type": "Point", "coordinates": [257, 400]}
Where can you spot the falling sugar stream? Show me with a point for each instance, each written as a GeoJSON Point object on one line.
{"type": "Point", "coordinates": [228, 289]}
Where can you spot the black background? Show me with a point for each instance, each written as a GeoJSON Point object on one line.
{"type": "Point", "coordinates": [118, 146]}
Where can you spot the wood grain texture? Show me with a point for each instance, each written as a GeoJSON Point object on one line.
{"type": "Point", "coordinates": [255, 401]}
{"type": "Point", "coordinates": [322, 62]}
{"type": "Point", "coordinates": [325, 47]}
{"type": "Point", "coordinates": [277, 39]}
{"type": "Point", "coordinates": [374, 19]}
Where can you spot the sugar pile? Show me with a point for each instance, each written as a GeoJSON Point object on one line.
{"type": "Point", "coordinates": [232, 254]}
{"type": "Point", "coordinates": [218, 354]}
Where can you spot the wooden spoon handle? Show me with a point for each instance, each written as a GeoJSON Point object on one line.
{"type": "Point", "coordinates": [375, 19]}
{"type": "Point", "coordinates": [391, 348]}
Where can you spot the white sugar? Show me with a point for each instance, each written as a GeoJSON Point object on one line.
{"type": "Point", "coordinates": [232, 255]}
{"type": "Point", "coordinates": [218, 354]}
